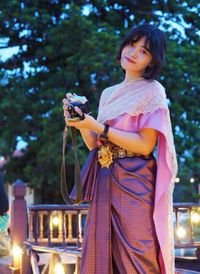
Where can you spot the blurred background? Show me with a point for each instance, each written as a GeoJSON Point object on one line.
{"type": "Point", "coordinates": [48, 48]}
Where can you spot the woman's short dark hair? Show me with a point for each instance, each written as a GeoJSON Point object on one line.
{"type": "Point", "coordinates": [155, 41]}
{"type": "Point", "coordinates": [4, 205]}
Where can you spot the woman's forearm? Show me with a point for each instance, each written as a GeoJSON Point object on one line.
{"type": "Point", "coordinates": [89, 138]}
{"type": "Point", "coordinates": [140, 143]}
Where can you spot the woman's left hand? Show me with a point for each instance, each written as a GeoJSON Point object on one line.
{"type": "Point", "coordinates": [87, 123]}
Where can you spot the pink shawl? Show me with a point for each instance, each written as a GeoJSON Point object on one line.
{"type": "Point", "coordinates": [143, 97]}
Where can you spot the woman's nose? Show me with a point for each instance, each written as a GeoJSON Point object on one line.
{"type": "Point", "coordinates": [133, 52]}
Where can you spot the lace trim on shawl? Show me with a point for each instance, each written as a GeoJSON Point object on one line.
{"type": "Point", "coordinates": [134, 98]}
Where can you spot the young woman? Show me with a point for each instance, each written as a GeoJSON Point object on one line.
{"type": "Point", "coordinates": [129, 224]}
{"type": "Point", "coordinates": [4, 221]}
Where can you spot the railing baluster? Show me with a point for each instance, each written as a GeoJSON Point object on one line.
{"type": "Point", "coordinates": [49, 227]}
{"type": "Point", "coordinates": [69, 226]}
{"type": "Point", "coordinates": [36, 227]}
{"type": "Point", "coordinates": [60, 226]}
{"type": "Point", "coordinates": [177, 224]}
{"type": "Point", "coordinates": [31, 237]}
{"type": "Point", "coordinates": [41, 214]}
{"type": "Point", "coordinates": [79, 236]}
{"type": "Point", "coordinates": [63, 227]}
{"type": "Point", "coordinates": [190, 226]}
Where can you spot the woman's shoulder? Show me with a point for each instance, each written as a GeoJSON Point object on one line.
{"type": "Point", "coordinates": [156, 88]}
{"type": "Point", "coordinates": [106, 93]}
{"type": "Point", "coordinates": [110, 88]}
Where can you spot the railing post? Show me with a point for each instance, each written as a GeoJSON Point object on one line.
{"type": "Point", "coordinates": [19, 220]}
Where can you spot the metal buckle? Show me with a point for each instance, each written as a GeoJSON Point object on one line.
{"type": "Point", "coordinates": [105, 156]}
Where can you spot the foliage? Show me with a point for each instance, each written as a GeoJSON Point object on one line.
{"type": "Point", "coordinates": [72, 46]}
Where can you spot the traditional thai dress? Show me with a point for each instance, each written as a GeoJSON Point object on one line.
{"type": "Point", "coordinates": [129, 224]}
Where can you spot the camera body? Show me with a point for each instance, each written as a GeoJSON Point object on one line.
{"type": "Point", "coordinates": [77, 101]}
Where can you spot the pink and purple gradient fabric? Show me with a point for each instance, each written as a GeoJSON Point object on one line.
{"type": "Point", "coordinates": [125, 231]}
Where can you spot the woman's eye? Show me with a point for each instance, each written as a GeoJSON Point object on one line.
{"type": "Point", "coordinates": [144, 52]}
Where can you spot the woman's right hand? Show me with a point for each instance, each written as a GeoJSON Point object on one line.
{"type": "Point", "coordinates": [66, 104]}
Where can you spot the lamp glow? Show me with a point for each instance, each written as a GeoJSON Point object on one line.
{"type": "Point", "coordinates": [59, 268]}
{"type": "Point", "coordinates": [177, 180]}
{"type": "Point", "coordinates": [17, 255]}
{"type": "Point", "coordinates": [55, 220]}
{"type": "Point", "coordinates": [181, 232]}
{"type": "Point", "coordinates": [191, 180]}
{"type": "Point", "coordinates": [195, 217]}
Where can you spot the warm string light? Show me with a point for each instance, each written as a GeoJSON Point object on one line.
{"type": "Point", "coordinates": [17, 256]}
{"type": "Point", "coordinates": [177, 180]}
{"type": "Point", "coordinates": [180, 232]}
{"type": "Point", "coordinates": [191, 180]}
{"type": "Point", "coordinates": [55, 220]}
{"type": "Point", "coordinates": [59, 269]}
{"type": "Point", "coordinates": [195, 217]}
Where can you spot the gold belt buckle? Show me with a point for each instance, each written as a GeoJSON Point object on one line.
{"type": "Point", "coordinates": [105, 156]}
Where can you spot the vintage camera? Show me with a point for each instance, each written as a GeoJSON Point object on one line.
{"type": "Point", "coordinates": [78, 101]}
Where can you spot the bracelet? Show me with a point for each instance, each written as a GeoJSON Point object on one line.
{"type": "Point", "coordinates": [104, 136]}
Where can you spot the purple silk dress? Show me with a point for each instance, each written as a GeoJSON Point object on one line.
{"type": "Point", "coordinates": [120, 235]}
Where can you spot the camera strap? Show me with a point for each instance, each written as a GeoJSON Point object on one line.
{"type": "Point", "coordinates": [77, 171]}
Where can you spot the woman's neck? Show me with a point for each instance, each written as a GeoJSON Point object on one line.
{"type": "Point", "coordinates": [126, 80]}
{"type": "Point", "coordinates": [130, 77]}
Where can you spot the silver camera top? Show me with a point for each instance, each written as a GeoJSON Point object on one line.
{"type": "Point", "coordinates": [74, 98]}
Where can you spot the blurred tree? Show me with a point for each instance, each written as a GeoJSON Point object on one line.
{"type": "Point", "coordinates": [72, 46]}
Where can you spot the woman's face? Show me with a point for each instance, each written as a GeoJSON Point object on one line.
{"type": "Point", "coordinates": [135, 57]}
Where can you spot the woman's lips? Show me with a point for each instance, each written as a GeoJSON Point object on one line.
{"type": "Point", "coordinates": [129, 60]}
